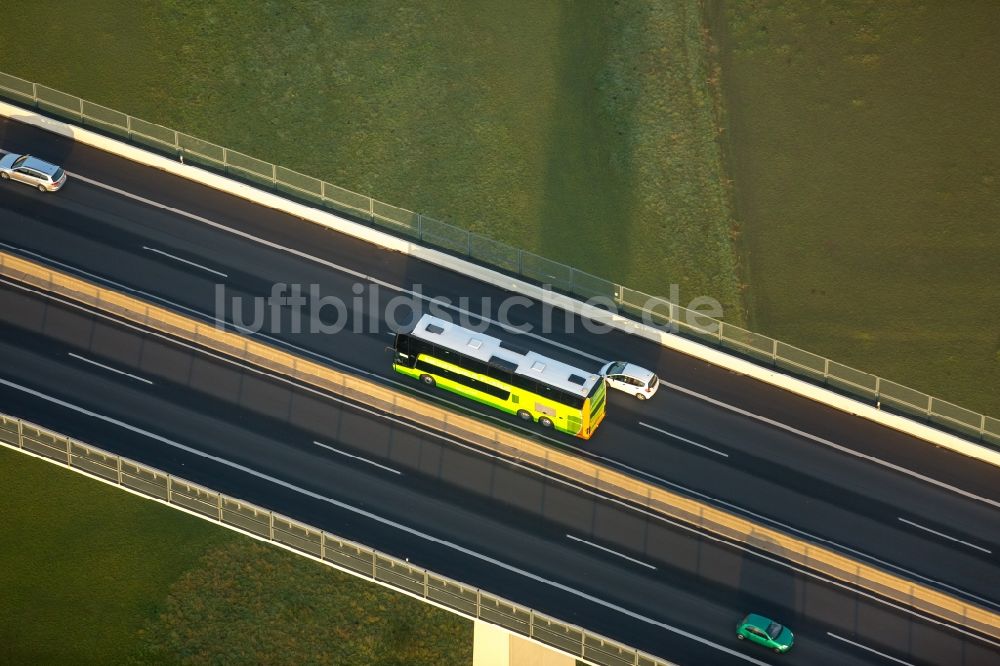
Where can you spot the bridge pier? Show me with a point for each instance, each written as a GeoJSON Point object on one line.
{"type": "Point", "coordinates": [495, 646]}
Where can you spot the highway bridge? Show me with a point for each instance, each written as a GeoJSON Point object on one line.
{"type": "Point", "coordinates": [876, 494]}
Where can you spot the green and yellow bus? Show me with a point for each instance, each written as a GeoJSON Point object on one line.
{"type": "Point", "coordinates": [497, 373]}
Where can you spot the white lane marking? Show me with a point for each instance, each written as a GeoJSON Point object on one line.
{"type": "Point", "coordinates": [386, 521]}
{"type": "Point", "coordinates": [304, 387]}
{"type": "Point", "coordinates": [512, 329]}
{"type": "Point", "coordinates": [613, 552]}
{"type": "Point", "coordinates": [336, 267]}
{"type": "Point", "coordinates": [945, 536]}
{"type": "Point", "coordinates": [455, 442]}
{"type": "Point", "coordinates": [184, 261]}
{"type": "Point", "coordinates": [351, 455]}
{"type": "Point", "coordinates": [684, 439]}
{"type": "Point", "coordinates": [464, 408]}
{"type": "Point", "coordinates": [109, 368]}
{"type": "Point", "coordinates": [688, 528]}
{"type": "Point", "coordinates": [225, 325]}
{"type": "Point", "coordinates": [736, 508]}
{"type": "Point", "coordinates": [872, 650]}
{"type": "Point", "coordinates": [837, 447]}
{"type": "Point", "coordinates": [222, 323]}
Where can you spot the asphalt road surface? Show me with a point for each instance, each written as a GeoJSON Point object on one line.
{"type": "Point", "coordinates": [736, 442]}
{"type": "Point", "coordinates": [563, 550]}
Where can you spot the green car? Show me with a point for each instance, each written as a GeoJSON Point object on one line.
{"type": "Point", "coordinates": [765, 632]}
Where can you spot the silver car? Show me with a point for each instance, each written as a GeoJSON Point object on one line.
{"type": "Point", "coordinates": [640, 382]}
{"type": "Point", "coordinates": [32, 171]}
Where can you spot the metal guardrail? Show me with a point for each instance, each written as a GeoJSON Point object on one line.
{"type": "Point", "coordinates": [348, 556]}
{"type": "Point", "coordinates": [497, 255]}
{"type": "Point", "coordinates": [509, 445]}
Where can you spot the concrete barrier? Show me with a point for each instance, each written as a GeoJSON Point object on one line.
{"type": "Point", "coordinates": [516, 632]}
{"type": "Point", "coordinates": [489, 276]}
{"type": "Point", "coordinates": [510, 445]}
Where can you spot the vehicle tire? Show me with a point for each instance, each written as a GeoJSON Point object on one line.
{"type": "Point", "coordinates": [4, 175]}
{"type": "Point", "coordinates": [525, 415]}
{"type": "Point", "coordinates": [545, 421]}
{"type": "Point", "coordinates": [778, 650]}
{"type": "Point", "coordinates": [41, 188]}
{"type": "Point", "coordinates": [427, 379]}
{"type": "Point", "coordinates": [640, 396]}
{"type": "Point", "coordinates": [740, 637]}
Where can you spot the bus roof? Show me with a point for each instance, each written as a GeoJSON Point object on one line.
{"type": "Point", "coordinates": [497, 352]}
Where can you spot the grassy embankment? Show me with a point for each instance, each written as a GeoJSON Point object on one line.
{"type": "Point", "coordinates": [91, 574]}
{"type": "Point", "coordinates": [865, 157]}
{"type": "Point", "coordinates": [584, 132]}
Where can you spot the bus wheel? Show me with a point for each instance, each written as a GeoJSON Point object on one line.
{"type": "Point", "coordinates": [545, 421]}
{"type": "Point", "coordinates": [525, 415]}
{"type": "Point", "coordinates": [427, 379]}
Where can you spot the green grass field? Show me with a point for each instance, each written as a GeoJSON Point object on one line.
{"type": "Point", "coordinates": [861, 143]}
{"type": "Point", "coordinates": [585, 132]}
{"type": "Point", "coordinates": [91, 574]}
{"type": "Point", "coordinates": [864, 150]}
